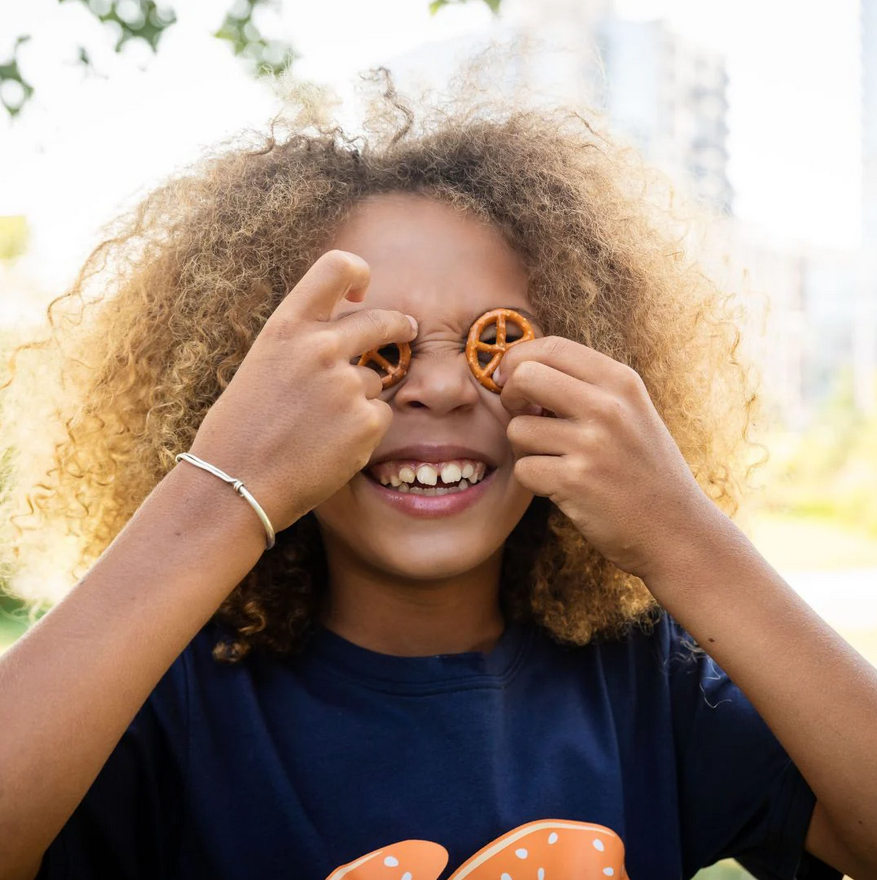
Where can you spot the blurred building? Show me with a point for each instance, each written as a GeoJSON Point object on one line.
{"type": "Point", "coordinates": [663, 93]}
{"type": "Point", "coordinates": [865, 335]}
{"type": "Point", "coordinates": [668, 97]}
{"type": "Point", "coordinates": [830, 294]}
{"type": "Point", "coordinates": [801, 308]}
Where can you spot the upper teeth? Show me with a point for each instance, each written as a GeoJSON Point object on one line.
{"type": "Point", "coordinates": [394, 473]}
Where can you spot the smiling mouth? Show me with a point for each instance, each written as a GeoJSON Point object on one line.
{"type": "Point", "coordinates": [428, 478]}
{"type": "Point", "coordinates": [430, 489]}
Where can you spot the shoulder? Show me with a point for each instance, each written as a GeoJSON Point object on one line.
{"type": "Point", "coordinates": [650, 658]}
{"type": "Point", "coordinates": [655, 670]}
{"type": "Point", "coordinates": [191, 672]}
{"type": "Point", "coordinates": [656, 643]}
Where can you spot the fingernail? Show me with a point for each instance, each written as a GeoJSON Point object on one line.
{"type": "Point", "coordinates": [413, 322]}
{"type": "Point", "coordinates": [497, 377]}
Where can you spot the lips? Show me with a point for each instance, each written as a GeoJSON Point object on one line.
{"type": "Point", "coordinates": [429, 499]}
{"type": "Point", "coordinates": [434, 452]}
{"type": "Point", "coordinates": [417, 503]}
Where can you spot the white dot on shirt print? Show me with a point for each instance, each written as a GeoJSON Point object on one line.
{"type": "Point", "coordinates": [548, 849]}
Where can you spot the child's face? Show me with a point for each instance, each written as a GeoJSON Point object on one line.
{"type": "Point", "coordinates": [446, 269]}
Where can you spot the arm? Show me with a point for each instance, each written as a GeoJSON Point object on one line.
{"type": "Point", "coordinates": [89, 665]}
{"type": "Point", "coordinates": [815, 692]}
{"type": "Point", "coordinates": [92, 661]}
{"type": "Point", "coordinates": [611, 465]}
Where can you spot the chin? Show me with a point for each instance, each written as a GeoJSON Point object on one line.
{"type": "Point", "coordinates": [431, 570]}
{"type": "Point", "coordinates": [418, 562]}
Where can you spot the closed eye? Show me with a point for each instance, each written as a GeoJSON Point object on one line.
{"type": "Point", "coordinates": [388, 352]}
{"type": "Point", "coordinates": [489, 336]}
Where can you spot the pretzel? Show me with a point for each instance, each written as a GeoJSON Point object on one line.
{"type": "Point", "coordinates": [497, 348]}
{"type": "Point", "coordinates": [395, 372]}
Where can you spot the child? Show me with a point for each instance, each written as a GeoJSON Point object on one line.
{"type": "Point", "coordinates": [339, 672]}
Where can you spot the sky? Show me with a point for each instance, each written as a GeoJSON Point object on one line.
{"type": "Point", "coordinates": [88, 146]}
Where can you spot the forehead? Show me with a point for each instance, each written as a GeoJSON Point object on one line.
{"type": "Point", "coordinates": [431, 260]}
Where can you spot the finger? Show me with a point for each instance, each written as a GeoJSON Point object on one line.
{"type": "Point", "coordinates": [334, 276]}
{"type": "Point", "coordinates": [535, 383]}
{"type": "Point", "coordinates": [537, 435]}
{"type": "Point", "coordinates": [384, 414]}
{"type": "Point", "coordinates": [366, 329]}
{"type": "Point", "coordinates": [541, 474]}
{"type": "Point", "coordinates": [576, 360]}
{"type": "Point", "coordinates": [372, 385]}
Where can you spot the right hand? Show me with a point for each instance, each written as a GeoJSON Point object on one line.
{"type": "Point", "coordinates": [298, 420]}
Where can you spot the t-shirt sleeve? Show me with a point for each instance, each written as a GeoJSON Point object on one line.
{"type": "Point", "coordinates": [740, 795]}
{"type": "Point", "coordinates": [129, 822]}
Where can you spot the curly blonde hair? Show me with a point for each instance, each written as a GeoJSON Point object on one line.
{"type": "Point", "coordinates": [188, 277]}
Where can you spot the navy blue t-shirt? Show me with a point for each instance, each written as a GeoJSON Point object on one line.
{"type": "Point", "coordinates": [531, 762]}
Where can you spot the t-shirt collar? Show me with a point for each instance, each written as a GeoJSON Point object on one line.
{"type": "Point", "coordinates": [360, 662]}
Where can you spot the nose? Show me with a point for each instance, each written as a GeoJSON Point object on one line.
{"type": "Point", "coordinates": [439, 380]}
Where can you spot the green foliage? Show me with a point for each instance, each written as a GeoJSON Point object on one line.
{"type": "Point", "coordinates": [9, 72]}
{"type": "Point", "coordinates": [268, 56]}
{"type": "Point", "coordinates": [14, 236]}
{"type": "Point", "coordinates": [13, 615]}
{"type": "Point", "coordinates": [438, 4]}
{"type": "Point", "coordinates": [148, 24]}
{"type": "Point", "coordinates": [727, 869]}
{"type": "Point", "coordinates": [14, 619]}
{"type": "Point", "coordinates": [830, 470]}
{"type": "Point", "coordinates": [145, 20]}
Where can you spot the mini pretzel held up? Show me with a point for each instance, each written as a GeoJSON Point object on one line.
{"type": "Point", "coordinates": [498, 347]}
{"type": "Point", "coordinates": [394, 372]}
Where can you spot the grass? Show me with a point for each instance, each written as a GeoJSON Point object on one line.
{"type": "Point", "coordinates": [11, 627]}
{"type": "Point", "coordinates": [727, 869]}
{"type": "Point", "coordinates": [806, 543]}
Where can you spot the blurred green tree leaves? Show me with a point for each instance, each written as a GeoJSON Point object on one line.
{"type": "Point", "coordinates": [147, 21]}
{"type": "Point", "coordinates": [13, 99]}
{"type": "Point", "coordinates": [268, 56]}
{"type": "Point", "coordinates": [438, 4]}
{"type": "Point", "coordinates": [137, 20]}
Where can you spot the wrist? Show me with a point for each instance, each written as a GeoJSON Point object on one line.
{"type": "Point", "coordinates": [237, 486]}
{"type": "Point", "coordinates": [702, 535]}
{"type": "Point", "coordinates": [207, 502]}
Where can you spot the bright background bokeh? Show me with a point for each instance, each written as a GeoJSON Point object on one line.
{"type": "Point", "coordinates": [761, 112]}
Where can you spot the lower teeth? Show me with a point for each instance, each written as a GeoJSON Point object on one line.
{"type": "Point", "coordinates": [432, 490]}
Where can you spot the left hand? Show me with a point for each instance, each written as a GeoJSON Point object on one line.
{"type": "Point", "coordinates": [607, 460]}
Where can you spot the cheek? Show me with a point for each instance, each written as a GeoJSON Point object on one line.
{"type": "Point", "coordinates": [494, 406]}
{"type": "Point", "coordinates": [336, 510]}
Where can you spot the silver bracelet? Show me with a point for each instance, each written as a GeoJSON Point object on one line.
{"type": "Point", "coordinates": [237, 485]}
